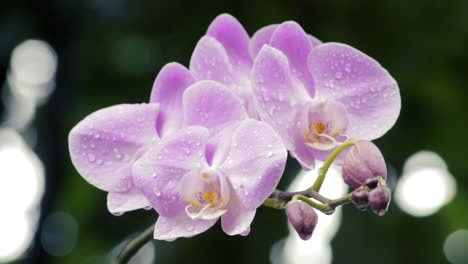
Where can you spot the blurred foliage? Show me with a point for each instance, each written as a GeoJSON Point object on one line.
{"type": "Point", "coordinates": [111, 50]}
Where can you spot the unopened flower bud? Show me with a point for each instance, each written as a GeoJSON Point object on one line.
{"type": "Point", "coordinates": [371, 183]}
{"type": "Point", "coordinates": [303, 218]}
{"type": "Point", "coordinates": [360, 198]}
{"type": "Point", "coordinates": [362, 162]}
{"type": "Point", "coordinates": [379, 199]}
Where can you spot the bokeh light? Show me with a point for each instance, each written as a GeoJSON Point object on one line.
{"type": "Point", "coordinates": [425, 186]}
{"type": "Point", "coordinates": [455, 247]}
{"type": "Point", "coordinates": [59, 234]}
{"type": "Point", "coordinates": [22, 181]}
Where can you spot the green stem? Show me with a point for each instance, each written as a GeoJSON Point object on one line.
{"type": "Point", "coordinates": [325, 208]}
{"type": "Point", "coordinates": [323, 171]}
{"type": "Point", "coordinates": [134, 245]}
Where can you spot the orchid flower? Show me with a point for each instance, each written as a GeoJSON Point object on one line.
{"type": "Point", "coordinates": [105, 145]}
{"type": "Point", "coordinates": [317, 96]}
{"type": "Point", "coordinates": [223, 55]}
{"type": "Point", "coordinates": [221, 166]}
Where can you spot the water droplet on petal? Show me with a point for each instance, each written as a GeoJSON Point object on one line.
{"type": "Point", "coordinates": [270, 154]}
{"type": "Point", "coordinates": [118, 213]}
{"type": "Point", "coordinates": [156, 191]}
{"type": "Point", "coordinates": [348, 67]}
{"type": "Point", "coordinates": [338, 75]}
{"type": "Point", "coordinates": [91, 157]}
{"type": "Point", "coordinates": [189, 227]}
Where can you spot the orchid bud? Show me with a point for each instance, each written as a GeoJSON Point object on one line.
{"type": "Point", "coordinates": [303, 218]}
{"type": "Point", "coordinates": [360, 198]}
{"type": "Point", "coordinates": [379, 199]}
{"type": "Point", "coordinates": [362, 162]}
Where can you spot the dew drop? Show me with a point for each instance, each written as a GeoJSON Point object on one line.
{"type": "Point", "coordinates": [270, 154]}
{"type": "Point", "coordinates": [348, 67]}
{"type": "Point", "coordinates": [91, 157]}
{"type": "Point", "coordinates": [147, 208]}
{"type": "Point", "coordinates": [189, 227]}
{"type": "Point", "coordinates": [156, 191]}
{"type": "Point", "coordinates": [118, 213]}
{"type": "Point", "coordinates": [338, 75]}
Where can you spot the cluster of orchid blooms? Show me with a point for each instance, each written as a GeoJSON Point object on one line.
{"type": "Point", "coordinates": [213, 140]}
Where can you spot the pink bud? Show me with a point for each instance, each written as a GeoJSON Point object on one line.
{"type": "Point", "coordinates": [303, 218]}
{"type": "Point", "coordinates": [362, 162]}
{"type": "Point", "coordinates": [360, 198]}
{"type": "Point", "coordinates": [379, 199]}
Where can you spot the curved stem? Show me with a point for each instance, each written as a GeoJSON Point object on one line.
{"type": "Point", "coordinates": [325, 208]}
{"type": "Point", "coordinates": [134, 245]}
{"type": "Point", "coordinates": [323, 171]}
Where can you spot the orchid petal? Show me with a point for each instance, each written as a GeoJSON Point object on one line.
{"type": "Point", "coordinates": [105, 144]}
{"type": "Point", "coordinates": [210, 61]}
{"type": "Point", "coordinates": [314, 42]}
{"type": "Point", "coordinates": [236, 220]}
{"type": "Point", "coordinates": [180, 225]}
{"type": "Point", "coordinates": [291, 39]}
{"type": "Point", "coordinates": [168, 88]}
{"type": "Point", "coordinates": [260, 38]}
{"type": "Point", "coordinates": [119, 202]}
{"type": "Point", "coordinates": [276, 93]}
{"type": "Point", "coordinates": [159, 171]}
{"type": "Point", "coordinates": [255, 163]}
{"type": "Point", "coordinates": [367, 91]}
{"type": "Point", "coordinates": [235, 40]}
{"type": "Point", "coordinates": [210, 104]}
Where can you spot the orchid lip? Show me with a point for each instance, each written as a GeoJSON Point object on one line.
{"type": "Point", "coordinates": [206, 194]}
{"type": "Point", "coordinates": [327, 120]}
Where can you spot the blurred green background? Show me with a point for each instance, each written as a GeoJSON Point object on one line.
{"type": "Point", "coordinates": [109, 52]}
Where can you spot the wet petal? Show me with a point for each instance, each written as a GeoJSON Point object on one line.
{"type": "Point", "coordinates": [159, 171]}
{"type": "Point", "coordinates": [120, 202]}
{"type": "Point", "coordinates": [260, 38]}
{"type": "Point", "coordinates": [368, 92]}
{"type": "Point", "coordinates": [276, 92]}
{"type": "Point", "coordinates": [210, 104]}
{"type": "Point", "coordinates": [236, 220]}
{"type": "Point", "coordinates": [291, 39]}
{"type": "Point", "coordinates": [210, 61]}
{"type": "Point", "coordinates": [230, 33]}
{"type": "Point", "coordinates": [105, 144]}
{"type": "Point", "coordinates": [168, 88]}
{"type": "Point", "coordinates": [180, 225]}
{"type": "Point", "coordinates": [255, 163]}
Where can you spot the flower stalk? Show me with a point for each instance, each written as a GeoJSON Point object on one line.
{"type": "Point", "coordinates": [134, 245]}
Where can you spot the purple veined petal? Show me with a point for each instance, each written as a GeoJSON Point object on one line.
{"type": "Point", "coordinates": [277, 94]}
{"type": "Point", "coordinates": [291, 39]}
{"type": "Point", "coordinates": [232, 35]}
{"type": "Point", "coordinates": [368, 92]}
{"type": "Point", "coordinates": [210, 104]}
{"type": "Point", "coordinates": [159, 171]}
{"type": "Point", "coordinates": [210, 61]}
{"type": "Point", "coordinates": [255, 163]}
{"type": "Point", "coordinates": [120, 202]}
{"type": "Point", "coordinates": [237, 220]}
{"type": "Point", "coordinates": [260, 38]}
{"type": "Point", "coordinates": [105, 144]}
{"type": "Point", "coordinates": [168, 88]}
{"type": "Point", "coordinates": [180, 225]}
